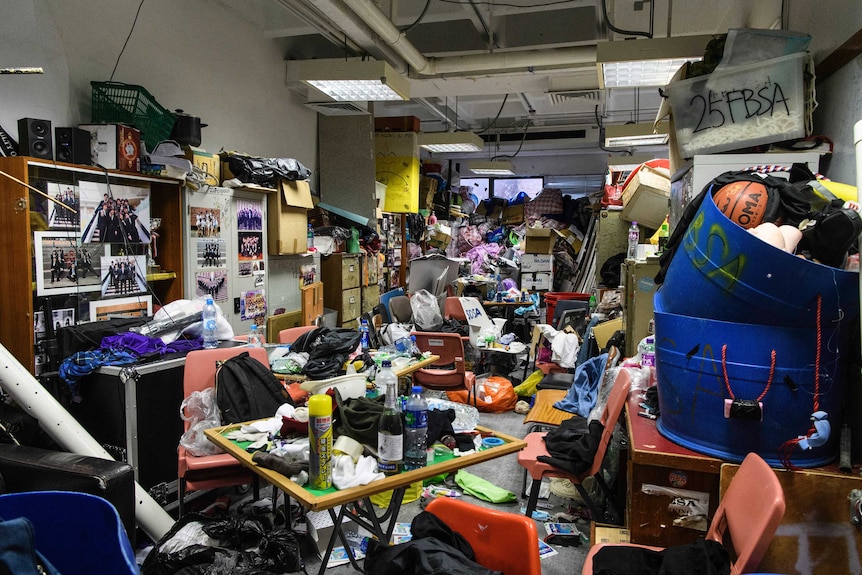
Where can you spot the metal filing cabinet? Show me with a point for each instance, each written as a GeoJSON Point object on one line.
{"type": "Point", "coordinates": [640, 287]}
{"type": "Point", "coordinates": [341, 275]}
{"type": "Point", "coordinates": [611, 239]}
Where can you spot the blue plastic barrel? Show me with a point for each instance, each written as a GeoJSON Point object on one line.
{"type": "Point", "coordinates": [692, 389]}
{"type": "Point", "coordinates": [720, 271]}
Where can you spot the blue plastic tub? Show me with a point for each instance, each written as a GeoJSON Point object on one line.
{"type": "Point", "coordinates": [692, 389]}
{"type": "Point", "coordinates": [720, 271]}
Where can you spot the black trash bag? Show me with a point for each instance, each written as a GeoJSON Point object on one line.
{"type": "Point", "coordinates": [265, 171]}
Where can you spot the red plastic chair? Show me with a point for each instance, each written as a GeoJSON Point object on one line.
{"type": "Point", "coordinates": [211, 471]}
{"type": "Point", "coordinates": [448, 372]}
{"type": "Point", "coordinates": [453, 309]}
{"type": "Point", "coordinates": [291, 334]}
{"type": "Point", "coordinates": [746, 518]}
{"type": "Point", "coordinates": [527, 458]}
{"type": "Point", "coordinates": [501, 541]}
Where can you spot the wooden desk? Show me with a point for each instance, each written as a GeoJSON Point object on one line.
{"type": "Point", "coordinates": [364, 514]}
{"type": "Point", "coordinates": [655, 460]}
{"type": "Point", "coordinates": [399, 372]}
{"type": "Point", "coordinates": [815, 537]}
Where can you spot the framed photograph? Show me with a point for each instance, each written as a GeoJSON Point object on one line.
{"type": "Point", "coordinates": [114, 214]}
{"type": "Point", "coordinates": [138, 306]}
{"type": "Point", "coordinates": [62, 318]}
{"type": "Point", "coordinates": [40, 328]}
{"type": "Point", "coordinates": [249, 215]}
{"type": "Point", "coordinates": [204, 222]}
{"type": "Point", "coordinates": [65, 266]}
{"type": "Point", "coordinates": [124, 275]}
{"type": "Point", "coordinates": [65, 215]}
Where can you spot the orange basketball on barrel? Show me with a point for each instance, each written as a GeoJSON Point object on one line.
{"type": "Point", "coordinates": [743, 202]}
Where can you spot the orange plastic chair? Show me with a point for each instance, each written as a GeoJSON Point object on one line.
{"type": "Point", "coordinates": [501, 541]}
{"type": "Point", "coordinates": [527, 457]}
{"type": "Point", "coordinates": [448, 372]}
{"type": "Point", "coordinates": [746, 518]}
{"type": "Point", "coordinates": [291, 334]}
{"type": "Point", "coordinates": [452, 309]}
{"type": "Point", "coordinates": [211, 471]}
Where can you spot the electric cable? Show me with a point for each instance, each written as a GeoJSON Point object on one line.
{"type": "Point", "coordinates": [134, 23]}
{"type": "Point", "coordinates": [630, 32]}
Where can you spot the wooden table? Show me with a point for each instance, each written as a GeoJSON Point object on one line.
{"type": "Point", "coordinates": [364, 514]}
{"type": "Point", "coordinates": [655, 460]}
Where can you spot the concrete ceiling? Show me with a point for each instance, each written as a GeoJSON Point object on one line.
{"type": "Point", "coordinates": [548, 99]}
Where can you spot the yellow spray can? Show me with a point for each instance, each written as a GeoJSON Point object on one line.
{"type": "Point", "coordinates": [320, 441]}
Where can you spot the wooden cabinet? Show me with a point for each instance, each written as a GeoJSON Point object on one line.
{"type": "Point", "coordinates": [24, 211]}
{"type": "Point", "coordinates": [341, 278]}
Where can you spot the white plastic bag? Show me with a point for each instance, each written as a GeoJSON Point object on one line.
{"type": "Point", "coordinates": [203, 414]}
{"type": "Point", "coordinates": [426, 311]}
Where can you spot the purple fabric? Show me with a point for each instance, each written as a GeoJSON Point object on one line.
{"type": "Point", "coordinates": [480, 255]}
{"type": "Point", "coordinates": [143, 345]}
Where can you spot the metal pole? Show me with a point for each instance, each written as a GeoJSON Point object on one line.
{"type": "Point", "coordinates": [29, 394]}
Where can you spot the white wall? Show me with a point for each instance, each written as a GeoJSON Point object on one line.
{"type": "Point", "coordinates": [194, 54]}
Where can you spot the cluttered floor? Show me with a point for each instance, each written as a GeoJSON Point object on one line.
{"type": "Point", "coordinates": [562, 505]}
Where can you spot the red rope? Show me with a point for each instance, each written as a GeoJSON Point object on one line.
{"type": "Point", "coordinates": [787, 448]}
{"type": "Point", "coordinates": [727, 379]}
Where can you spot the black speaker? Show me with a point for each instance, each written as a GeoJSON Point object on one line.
{"type": "Point", "coordinates": [72, 145]}
{"type": "Point", "coordinates": [34, 138]}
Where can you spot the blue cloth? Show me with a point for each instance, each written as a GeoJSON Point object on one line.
{"type": "Point", "coordinates": [584, 351]}
{"type": "Point", "coordinates": [581, 397]}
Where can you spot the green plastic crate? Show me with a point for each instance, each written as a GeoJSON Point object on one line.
{"type": "Point", "coordinates": [119, 103]}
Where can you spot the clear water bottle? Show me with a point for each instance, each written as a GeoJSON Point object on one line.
{"type": "Point", "coordinates": [309, 242]}
{"type": "Point", "coordinates": [634, 239]}
{"type": "Point", "coordinates": [254, 337]}
{"type": "Point", "coordinates": [648, 352]}
{"type": "Point", "coordinates": [363, 331]}
{"type": "Point", "coordinates": [390, 430]}
{"type": "Point", "coordinates": [209, 316]}
{"type": "Point", "coordinates": [414, 347]}
{"type": "Point", "coordinates": [416, 430]}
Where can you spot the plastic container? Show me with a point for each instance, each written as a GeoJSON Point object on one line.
{"type": "Point", "coordinates": [118, 103]}
{"type": "Point", "coordinates": [320, 441]}
{"type": "Point", "coordinates": [209, 317]}
{"type": "Point", "coordinates": [720, 271]}
{"type": "Point", "coordinates": [692, 390]}
{"type": "Point", "coordinates": [466, 416]}
{"type": "Point", "coordinates": [415, 430]}
{"type": "Point", "coordinates": [254, 339]}
{"type": "Point", "coordinates": [741, 107]}
{"type": "Point", "coordinates": [552, 297]}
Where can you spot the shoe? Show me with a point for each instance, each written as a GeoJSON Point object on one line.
{"type": "Point", "coordinates": [562, 487]}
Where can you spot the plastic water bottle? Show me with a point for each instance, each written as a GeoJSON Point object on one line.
{"type": "Point", "coordinates": [414, 347]}
{"type": "Point", "coordinates": [309, 241]}
{"type": "Point", "coordinates": [634, 239]}
{"type": "Point", "coordinates": [254, 337]}
{"type": "Point", "coordinates": [416, 430]}
{"type": "Point", "coordinates": [390, 430]}
{"type": "Point", "coordinates": [363, 338]}
{"type": "Point", "coordinates": [648, 352]}
{"type": "Point", "coordinates": [209, 316]}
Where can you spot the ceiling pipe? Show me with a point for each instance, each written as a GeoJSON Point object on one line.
{"type": "Point", "coordinates": [320, 23]}
{"type": "Point", "coordinates": [477, 63]}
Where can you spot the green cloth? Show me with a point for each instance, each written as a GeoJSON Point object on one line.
{"type": "Point", "coordinates": [485, 490]}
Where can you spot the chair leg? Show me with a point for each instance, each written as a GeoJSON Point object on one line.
{"type": "Point", "coordinates": [181, 494]}
{"type": "Point", "coordinates": [534, 497]}
{"type": "Point", "coordinates": [595, 512]}
{"type": "Point", "coordinates": [616, 516]}
{"type": "Point", "coordinates": [255, 485]}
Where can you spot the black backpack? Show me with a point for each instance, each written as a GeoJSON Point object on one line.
{"type": "Point", "coordinates": [246, 390]}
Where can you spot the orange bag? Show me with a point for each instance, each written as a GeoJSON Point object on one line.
{"type": "Point", "coordinates": [494, 394]}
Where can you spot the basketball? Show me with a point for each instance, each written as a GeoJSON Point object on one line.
{"type": "Point", "coordinates": [744, 203]}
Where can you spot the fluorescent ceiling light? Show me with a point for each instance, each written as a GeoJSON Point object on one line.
{"type": "Point", "coordinates": [351, 80]}
{"type": "Point", "coordinates": [494, 168]}
{"type": "Point", "coordinates": [635, 135]}
{"type": "Point", "coordinates": [451, 142]}
{"type": "Point", "coordinates": [650, 62]}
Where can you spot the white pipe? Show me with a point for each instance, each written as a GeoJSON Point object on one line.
{"type": "Point", "coordinates": [381, 25]}
{"type": "Point", "coordinates": [857, 142]}
{"type": "Point", "coordinates": [29, 394]}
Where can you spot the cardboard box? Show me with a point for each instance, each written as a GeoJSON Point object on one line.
{"type": "Point", "coordinates": [646, 198]}
{"type": "Point", "coordinates": [287, 217]}
{"type": "Point", "coordinates": [513, 214]}
{"type": "Point", "coordinates": [209, 163]}
{"type": "Point", "coordinates": [539, 241]}
{"type": "Point", "coordinates": [537, 263]}
{"type": "Point", "coordinates": [115, 146]}
{"type": "Point", "coordinates": [608, 534]}
{"type": "Point", "coordinates": [605, 330]}
{"type": "Point", "coordinates": [542, 281]}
